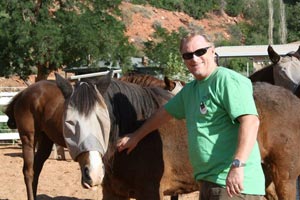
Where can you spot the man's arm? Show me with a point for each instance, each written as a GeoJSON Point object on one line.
{"type": "Point", "coordinates": [247, 137]}
{"type": "Point", "coordinates": [157, 119]}
{"type": "Point", "coordinates": [248, 130]}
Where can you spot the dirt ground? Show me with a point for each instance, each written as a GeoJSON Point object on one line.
{"type": "Point", "coordinates": [59, 180]}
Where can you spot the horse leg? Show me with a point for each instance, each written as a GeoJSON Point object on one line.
{"type": "Point", "coordinates": [59, 152]}
{"type": "Point", "coordinates": [271, 192]}
{"type": "Point", "coordinates": [270, 187]}
{"type": "Point", "coordinates": [285, 185]}
{"type": "Point", "coordinates": [298, 187]}
{"type": "Point", "coordinates": [286, 189]}
{"type": "Point", "coordinates": [42, 154]}
{"type": "Point", "coordinates": [28, 159]}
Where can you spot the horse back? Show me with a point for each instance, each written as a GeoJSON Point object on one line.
{"type": "Point", "coordinates": [280, 105]}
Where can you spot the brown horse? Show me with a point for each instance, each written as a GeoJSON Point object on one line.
{"type": "Point", "coordinates": [149, 81]}
{"type": "Point", "coordinates": [279, 136]}
{"type": "Point", "coordinates": [159, 164]}
{"type": "Point", "coordinates": [37, 113]}
{"type": "Point", "coordinates": [284, 71]}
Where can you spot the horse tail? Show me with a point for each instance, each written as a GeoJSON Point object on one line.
{"type": "Point", "coordinates": [9, 111]}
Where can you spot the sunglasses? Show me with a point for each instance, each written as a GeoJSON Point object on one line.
{"type": "Point", "coordinates": [198, 53]}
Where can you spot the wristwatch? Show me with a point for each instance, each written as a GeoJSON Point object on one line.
{"type": "Point", "coordinates": [237, 163]}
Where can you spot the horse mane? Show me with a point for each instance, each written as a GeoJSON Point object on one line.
{"type": "Point", "coordinates": [84, 97]}
{"type": "Point", "coordinates": [160, 94]}
{"type": "Point", "coordinates": [150, 83]}
{"type": "Point", "coordinates": [144, 80]}
{"type": "Point", "coordinates": [139, 90]}
{"type": "Point", "coordinates": [132, 103]}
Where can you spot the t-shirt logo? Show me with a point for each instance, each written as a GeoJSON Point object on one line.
{"type": "Point", "coordinates": [203, 109]}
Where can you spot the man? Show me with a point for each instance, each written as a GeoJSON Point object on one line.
{"type": "Point", "coordinates": [222, 123]}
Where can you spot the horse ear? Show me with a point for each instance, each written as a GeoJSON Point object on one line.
{"type": "Point", "coordinates": [104, 81]}
{"type": "Point", "coordinates": [65, 87]}
{"type": "Point", "coordinates": [274, 57]}
{"type": "Point", "coordinates": [167, 81]}
{"type": "Point", "coordinates": [297, 53]}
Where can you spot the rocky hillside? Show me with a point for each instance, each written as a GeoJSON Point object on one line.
{"type": "Point", "coordinates": [139, 21]}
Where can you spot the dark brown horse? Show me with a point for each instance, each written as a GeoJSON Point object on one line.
{"type": "Point", "coordinates": [37, 113]}
{"type": "Point", "coordinates": [153, 169]}
{"type": "Point", "coordinates": [284, 71]}
{"type": "Point", "coordinates": [159, 164]}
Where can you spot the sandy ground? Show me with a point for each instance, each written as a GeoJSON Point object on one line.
{"type": "Point", "coordinates": [59, 180]}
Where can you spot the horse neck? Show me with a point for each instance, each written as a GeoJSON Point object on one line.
{"type": "Point", "coordinates": [129, 105]}
{"type": "Point", "coordinates": [263, 75]}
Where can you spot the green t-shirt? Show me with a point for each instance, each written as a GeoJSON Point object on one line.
{"type": "Point", "coordinates": [211, 108]}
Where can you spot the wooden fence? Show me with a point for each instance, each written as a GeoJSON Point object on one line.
{"type": "Point", "coordinates": [7, 134]}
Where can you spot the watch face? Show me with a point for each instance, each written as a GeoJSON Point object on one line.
{"type": "Point", "coordinates": [236, 163]}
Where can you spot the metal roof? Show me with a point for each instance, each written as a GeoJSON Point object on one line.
{"type": "Point", "coordinates": [254, 50]}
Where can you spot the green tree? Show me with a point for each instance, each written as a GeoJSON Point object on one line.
{"type": "Point", "coordinates": [293, 25]}
{"type": "Point", "coordinates": [164, 51]}
{"type": "Point", "coordinates": [241, 65]}
{"type": "Point", "coordinates": [233, 8]}
{"type": "Point", "coordinates": [175, 69]}
{"type": "Point", "coordinates": [46, 35]}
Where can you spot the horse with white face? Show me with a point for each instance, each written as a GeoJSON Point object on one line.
{"type": "Point", "coordinates": [84, 132]}
{"type": "Point", "coordinates": [284, 71]}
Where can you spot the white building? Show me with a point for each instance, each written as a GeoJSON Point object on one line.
{"type": "Point", "coordinates": [258, 53]}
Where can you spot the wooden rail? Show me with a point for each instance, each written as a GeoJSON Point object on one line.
{"type": "Point", "coordinates": [5, 98]}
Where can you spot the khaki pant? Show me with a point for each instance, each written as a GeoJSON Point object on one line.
{"type": "Point", "coordinates": [212, 191]}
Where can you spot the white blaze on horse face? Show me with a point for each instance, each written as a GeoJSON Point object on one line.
{"type": "Point", "coordinates": [92, 168]}
{"type": "Point", "coordinates": [287, 73]}
{"type": "Point", "coordinates": [96, 167]}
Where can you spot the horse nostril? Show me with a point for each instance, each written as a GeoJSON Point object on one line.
{"type": "Point", "coordinates": [87, 173]}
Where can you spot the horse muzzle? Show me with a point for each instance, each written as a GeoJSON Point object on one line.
{"type": "Point", "coordinates": [92, 169]}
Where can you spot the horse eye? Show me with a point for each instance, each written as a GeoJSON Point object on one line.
{"type": "Point", "coordinates": [283, 69]}
{"type": "Point", "coordinates": [70, 122]}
